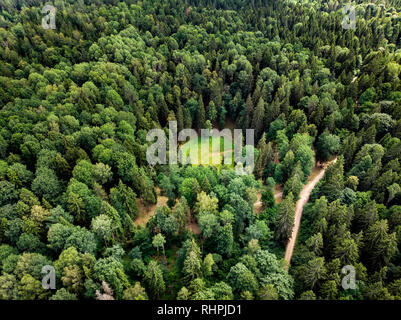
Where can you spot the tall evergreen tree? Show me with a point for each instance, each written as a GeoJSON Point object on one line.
{"type": "Point", "coordinates": [285, 219]}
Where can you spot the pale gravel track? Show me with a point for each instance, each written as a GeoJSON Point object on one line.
{"type": "Point", "coordinates": [303, 200]}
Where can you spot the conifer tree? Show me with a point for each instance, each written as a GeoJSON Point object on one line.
{"type": "Point", "coordinates": [285, 219]}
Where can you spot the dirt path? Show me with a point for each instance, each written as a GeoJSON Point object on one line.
{"type": "Point", "coordinates": [278, 193]}
{"type": "Point", "coordinates": [316, 175]}
{"type": "Point", "coordinates": [194, 227]}
{"type": "Point", "coordinates": [258, 205]}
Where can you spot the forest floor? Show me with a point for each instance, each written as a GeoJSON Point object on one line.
{"type": "Point", "coordinates": [193, 226]}
{"type": "Point", "coordinates": [278, 197]}
{"type": "Point", "coordinates": [146, 212]}
{"type": "Point", "coordinates": [258, 205]}
{"type": "Point", "coordinates": [316, 175]}
{"type": "Point", "coordinates": [278, 193]}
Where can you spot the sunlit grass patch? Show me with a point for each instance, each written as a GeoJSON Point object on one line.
{"type": "Point", "coordinates": [208, 151]}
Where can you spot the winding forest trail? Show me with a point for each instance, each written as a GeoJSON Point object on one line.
{"type": "Point", "coordinates": [317, 174]}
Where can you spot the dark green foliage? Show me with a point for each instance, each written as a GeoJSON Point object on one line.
{"type": "Point", "coordinates": [77, 192]}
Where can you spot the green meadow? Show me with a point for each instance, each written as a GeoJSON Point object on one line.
{"type": "Point", "coordinates": [208, 150]}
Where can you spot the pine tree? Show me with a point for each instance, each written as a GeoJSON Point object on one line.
{"type": "Point", "coordinates": [294, 183]}
{"type": "Point", "coordinates": [347, 250]}
{"type": "Point", "coordinates": [187, 119]}
{"type": "Point", "coordinates": [258, 118]}
{"type": "Point", "coordinates": [334, 180]}
{"type": "Point", "coordinates": [262, 160]}
{"type": "Point", "coordinates": [312, 272]}
{"type": "Point", "coordinates": [380, 246]}
{"type": "Point", "coordinates": [348, 149]}
{"type": "Point", "coordinates": [257, 94]}
{"type": "Point", "coordinates": [248, 112]}
{"type": "Point", "coordinates": [212, 111]}
{"type": "Point", "coordinates": [200, 115]}
{"type": "Point", "coordinates": [192, 264]}
{"type": "Point", "coordinates": [206, 185]}
{"type": "Point", "coordinates": [285, 219]}
{"type": "Point", "coordinates": [154, 279]}
{"type": "Point", "coordinates": [369, 136]}
{"type": "Point", "coordinates": [180, 118]}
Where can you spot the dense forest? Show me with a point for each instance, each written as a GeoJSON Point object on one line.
{"type": "Point", "coordinates": [77, 192]}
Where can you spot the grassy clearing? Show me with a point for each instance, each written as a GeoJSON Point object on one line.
{"type": "Point", "coordinates": [207, 150]}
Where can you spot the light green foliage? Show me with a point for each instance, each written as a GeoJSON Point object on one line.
{"type": "Point", "coordinates": [154, 279]}
{"type": "Point", "coordinates": [137, 292]}
{"type": "Point", "coordinates": [102, 226]}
